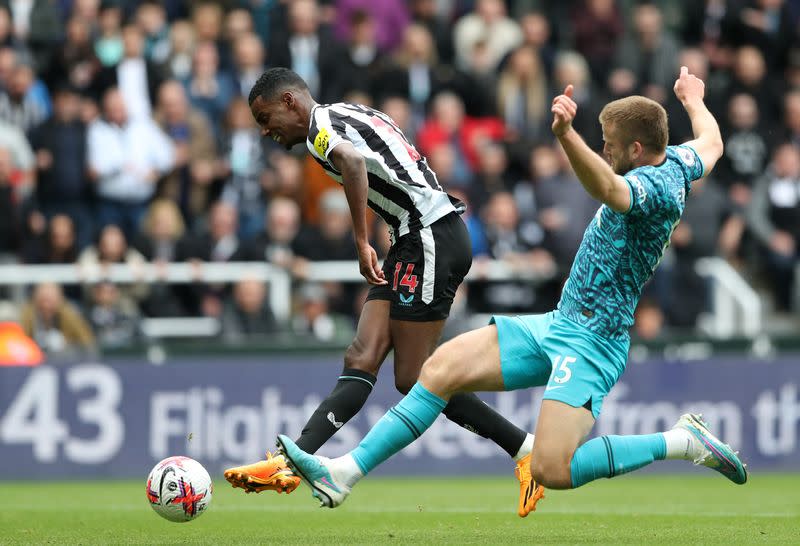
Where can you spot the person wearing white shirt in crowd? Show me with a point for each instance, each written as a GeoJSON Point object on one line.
{"type": "Point", "coordinates": [126, 159]}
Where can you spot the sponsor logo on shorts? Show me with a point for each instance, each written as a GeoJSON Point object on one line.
{"type": "Point", "coordinates": [406, 300]}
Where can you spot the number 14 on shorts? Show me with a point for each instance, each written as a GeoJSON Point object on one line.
{"type": "Point", "coordinates": [561, 371]}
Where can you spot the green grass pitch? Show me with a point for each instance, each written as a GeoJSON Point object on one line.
{"type": "Point", "coordinates": [649, 509]}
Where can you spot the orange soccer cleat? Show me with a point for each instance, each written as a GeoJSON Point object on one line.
{"type": "Point", "coordinates": [530, 492]}
{"type": "Point", "coordinates": [271, 474]}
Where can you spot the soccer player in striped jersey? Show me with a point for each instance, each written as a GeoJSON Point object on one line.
{"type": "Point", "coordinates": [411, 294]}
{"type": "Point", "coordinates": [579, 350]}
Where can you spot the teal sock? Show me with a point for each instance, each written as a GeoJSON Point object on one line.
{"type": "Point", "coordinates": [401, 425]}
{"type": "Point", "coordinates": [610, 456]}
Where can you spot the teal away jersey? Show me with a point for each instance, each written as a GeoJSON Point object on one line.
{"type": "Point", "coordinates": [620, 251]}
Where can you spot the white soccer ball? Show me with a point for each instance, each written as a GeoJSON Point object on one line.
{"type": "Point", "coordinates": [179, 489]}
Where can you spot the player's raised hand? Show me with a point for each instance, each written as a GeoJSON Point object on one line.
{"type": "Point", "coordinates": [368, 265]}
{"type": "Point", "coordinates": [689, 87]}
{"type": "Point", "coordinates": [564, 110]}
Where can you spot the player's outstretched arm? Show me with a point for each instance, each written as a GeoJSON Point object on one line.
{"type": "Point", "coordinates": [596, 175]}
{"type": "Point", "coordinates": [356, 187]}
{"type": "Point", "coordinates": [707, 142]}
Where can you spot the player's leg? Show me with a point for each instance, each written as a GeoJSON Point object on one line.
{"type": "Point", "coordinates": [585, 368]}
{"type": "Point", "coordinates": [560, 461]}
{"type": "Point", "coordinates": [413, 343]}
{"type": "Point", "coordinates": [469, 362]}
{"type": "Point", "coordinates": [362, 360]}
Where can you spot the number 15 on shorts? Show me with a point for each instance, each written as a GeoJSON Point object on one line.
{"type": "Point", "coordinates": [561, 371]}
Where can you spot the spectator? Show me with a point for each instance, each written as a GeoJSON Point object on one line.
{"type": "Point", "coordinates": [791, 117]}
{"type": "Point", "coordinates": [563, 208]}
{"type": "Point", "coordinates": [389, 17]}
{"type": "Point", "coordinates": [75, 62]}
{"type": "Point", "coordinates": [243, 165]}
{"type": "Point", "coordinates": [275, 243]}
{"type": "Point", "coordinates": [492, 176]}
{"type": "Point", "coordinates": [419, 75]}
{"type": "Point", "coordinates": [36, 23]}
{"type": "Point", "coordinates": [248, 61]}
{"type": "Point", "coordinates": [152, 19]}
{"type": "Point", "coordinates": [774, 218]}
{"type": "Point", "coordinates": [136, 78]}
{"type": "Point", "coordinates": [182, 42]}
{"type": "Point", "coordinates": [331, 240]}
{"type": "Point", "coordinates": [25, 102]}
{"type": "Point", "coordinates": [112, 248]}
{"type": "Point", "coordinates": [9, 234]}
{"type": "Point", "coordinates": [523, 96]}
{"type": "Point", "coordinates": [597, 26]}
{"type": "Point", "coordinates": [189, 184]}
{"type": "Point", "coordinates": [238, 23]}
{"type": "Point", "coordinates": [57, 246]}
{"type": "Point", "coordinates": [536, 34]}
{"type": "Point", "coordinates": [766, 25]}
{"type": "Point", "coordinates": [649, 321]}
{"type": "Point", "coordinates": [108, 44]}
{"type": "Point", "coordinates": [489, 28]}
{"type": "Point", "coordinates": [649, 53]}
{"type": "Point", "coordinates": [114, 319]}
{"type": "Point", "coordinates": [309, 50]}
{"type": "Point", "coordinates": [746, 149]}
{"type": "Point", "coordinates": [219, 243]}
{"type": "Point", "coordinates": [424, 13]}
{"type": "Point", "coordinates": [315, 319]}
{"type": "Point", "coordinates": [60, 144]}
{"type": "Point", "coordinates": [248, 314]}
{"type": "Point", "coordinates": [749, 75]}
{"type": "Point", "coordinates": [162, 236]}
{"type": "Point", "coordinates": [162, 241]}
{"type": "Point", "coordinates": [22, 158]}
{"type": "Point", "coordinates": [207, 21]}
{"type": "Point", "coordinates": [363, 62]}
{"type": "Point", "coordinates": [56, 325]}
{"type": "Point", "coordinates": [448, 122]}
{"type": "Point", "coordinates": [571, 68]}
{"type": "Point", "coordinates": [126, 159]}
{"type": "Point", "coordinates": [709, 226]}
{"type": "Point", "coordinates": [518, 245]}
{"type": "Point", "coordinates": [210, 90]}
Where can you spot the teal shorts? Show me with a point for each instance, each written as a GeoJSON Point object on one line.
{"type": "Point", "coordinates": [578, 366]}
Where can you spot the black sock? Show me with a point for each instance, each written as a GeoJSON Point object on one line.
{"type": "Point", "coordinates": [472, 413]}
{"type": "Point", "coordinates": [346, 399]}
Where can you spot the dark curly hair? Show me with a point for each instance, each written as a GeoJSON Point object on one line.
{"type": "Point", "coordinates": [273, 81]}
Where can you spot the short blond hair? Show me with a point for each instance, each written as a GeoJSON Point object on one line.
{"type": "Point", "coordinates": [638, 119]}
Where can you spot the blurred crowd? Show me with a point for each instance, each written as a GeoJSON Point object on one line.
{"type": "Point", "coordinates": [126, 137]}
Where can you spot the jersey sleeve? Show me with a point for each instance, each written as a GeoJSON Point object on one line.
{"type": "Point", "coordinates": [690, 162]}
{"type": "Point", "coordinates": [646, 194]}
{"type": "Point", "coordinates": [328, 131]}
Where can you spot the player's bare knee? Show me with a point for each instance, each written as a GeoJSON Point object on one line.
{"type": "Point", "coordinates": [437, 374]}
{"type": "Point", "coordinates": [359, 357]}
{"type": "Point", "coordinates": [552, 473]}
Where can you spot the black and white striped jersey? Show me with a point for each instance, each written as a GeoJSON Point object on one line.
{"type": "Point", "coordinates": [403, 190]}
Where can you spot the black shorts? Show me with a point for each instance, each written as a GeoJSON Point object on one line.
{"type": "Point", "coordinates": [424, 269]}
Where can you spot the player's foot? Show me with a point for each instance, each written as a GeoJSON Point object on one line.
{"type": "Point", "coordinates": [270, 474]}
{"type": "Point", "coordinates": [530, 492]}
{"type": "Point", "coordinates": [319, 473]}
{"type": "Point", "coordinates": [709, 450]}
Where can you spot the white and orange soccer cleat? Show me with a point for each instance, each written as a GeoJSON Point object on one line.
{"type": "Point", "coordinates": [271, 474]}
{"type": "Point", "coordinates": [530, 492]}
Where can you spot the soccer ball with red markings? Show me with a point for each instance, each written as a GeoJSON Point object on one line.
{"type": "Point", "coordinates": [179, 489]}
